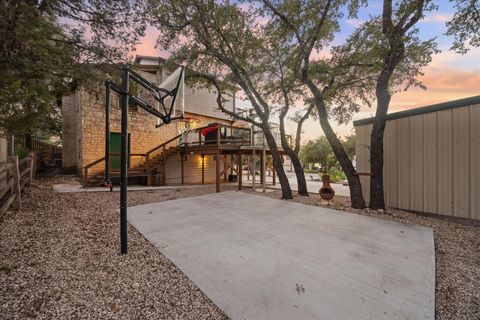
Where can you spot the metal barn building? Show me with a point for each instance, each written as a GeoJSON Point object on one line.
{"type": "Point", "coordinates": [432, 158]}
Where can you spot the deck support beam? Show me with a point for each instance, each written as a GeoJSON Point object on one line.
{"type": "Point", "coordinates": [217, 171]}
{"type": "Point", "coordinates": [263, 173]}
{"type": "Point", "coordinates": [181, 166]}
{"type": "Point", "coordinates": [240, 171]}
{"type": "Point", "coordinates": [253, 169]}
{"type": "Point", "coordinates": [273, 174]}
{"type": "Point", "coordinates": [203, 168]}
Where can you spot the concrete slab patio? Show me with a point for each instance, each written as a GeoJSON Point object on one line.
{"type": "Point", "coordinates": [262, 258]}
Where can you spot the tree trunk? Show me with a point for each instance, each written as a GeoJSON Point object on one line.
{"type": "Point", "coordinates": [377, 199]}
{"type": "Point", "coordinates": [298, 135]}
{"type": "Point", "coordinates": [277, 163]}
{"type": "Point", "coordinates": [297, 165]}
{"type": "Point", "coordinates": [356, 196]}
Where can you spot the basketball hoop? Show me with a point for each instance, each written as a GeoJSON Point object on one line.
{"type": "Point", "coordinates": [185, 126]}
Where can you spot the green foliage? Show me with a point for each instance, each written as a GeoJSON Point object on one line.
{"type": "Point", "coordinates": [336, 175]}
{"type": "Point", "coordinates": [21, 152]}
{"type": "Point", "coordinates": [349, 145]}
{"type": "Point", "coordinates": [319, 151]}
{"type": "Point", "coordinates": [465, 25]}
{"type": "Point", "coordinates": [49, 48]}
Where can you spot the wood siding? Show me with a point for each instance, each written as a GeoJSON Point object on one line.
{"type": "Point", "coordinates": [432, 162]}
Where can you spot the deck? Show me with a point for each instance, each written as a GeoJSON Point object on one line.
{"type": "Point", "coordinates": [230, 144]}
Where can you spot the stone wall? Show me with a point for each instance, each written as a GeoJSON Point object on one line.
{"type": "Point", "coordinates": [69, 133]}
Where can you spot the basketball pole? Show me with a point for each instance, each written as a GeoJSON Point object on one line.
{"type": "Point", "coordinates": [123, 161]}
{"type": "Point", "coordinates": [127, 98]}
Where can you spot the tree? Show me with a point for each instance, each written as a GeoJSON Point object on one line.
{"type": "Point", "coordinates": [49, 48]}
{"type": "Point", "coordinates": [402, 55]}
{"type": "Point", "coordinates": [224, 44]}
{"type": "Point", "coordinates": [349, 145]}
{"type": "Point", "coordinates": [465, 25]}
{"type": "Point", "coordinates": [284, 90]}
{"type": "Point", "coordinates": [319, 151]}
{"type": "Point", "coordinates": [310, 25]}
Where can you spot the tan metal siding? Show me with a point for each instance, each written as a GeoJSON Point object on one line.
{"type": "Point", "coordinates": [416, 163]}
{"type": "Point", "coordinates": [390, 176]}
{"type": "Point", "coordinates": [461, 162]}
{"type": "Point", "coordinates": [362, 146]}
{"type": "Point", "coordinates": [432, 161]}
{"type": "Point", "coordinates": [445, 162]}
{"type": "Point", "coordinates": [475, 162]}
{"type": "Point", "coordinates": [403, 143]}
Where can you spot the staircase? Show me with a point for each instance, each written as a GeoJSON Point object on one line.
{"type": "Point", "coordinates": [153, 167]}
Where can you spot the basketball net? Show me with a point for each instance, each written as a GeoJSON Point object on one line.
{"type": "Point", "coordinates": [171, 83]}
{"type": "Point", "coordinates": [186, 126]}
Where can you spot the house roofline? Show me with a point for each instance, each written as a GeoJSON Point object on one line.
{"type": "Point", "coordinates": [427, 109]}
{"type": "Point", "coordinates": [139, 57]}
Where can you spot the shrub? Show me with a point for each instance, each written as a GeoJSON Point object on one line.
{"type": "Point", "coordinates": [21, 152]}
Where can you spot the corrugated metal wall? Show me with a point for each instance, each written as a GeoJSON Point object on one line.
{"type": "Point", "coordinates": [432, 161]}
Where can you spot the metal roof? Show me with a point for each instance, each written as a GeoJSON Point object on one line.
{"type": "Point", "coordinates": [417, 111]}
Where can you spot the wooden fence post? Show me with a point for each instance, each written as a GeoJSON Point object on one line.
{"type": "Point", "coordinates": [32, 167]}
{"type": "Point", "coordinates": [17, 204]}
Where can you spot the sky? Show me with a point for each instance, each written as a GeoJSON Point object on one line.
{"type": "Point", "coordinates": [449, 76]}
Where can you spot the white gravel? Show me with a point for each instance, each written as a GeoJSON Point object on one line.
{"type": "Point", "coordinates": [60, 261]}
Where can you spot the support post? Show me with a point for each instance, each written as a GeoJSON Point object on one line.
{"type": "Point", "coordinates": [273, 174]}
{"type": "Point", "coordinates": [225, 168]}
{"type": "Point", "coordinates": [124, 161]}
{"type": "Point", "coordinates": [239, 171]}
{"type": "Point", "coordinates": [107, 132]}
{"type": "Point", "coordinates": [181, 166]}
{"type": "Point", "coordinates": [17, 204]}
{"type": "Point", "coordinates": [217, 171]}
{"type": "Point", "coordinates": [253, 169]}
{"type": "Point", "coordinates": [203, 168]}
{"type": "Point", "coordinates": [32, 167]}
{"type": "Point", "coordinates": [264, 156]}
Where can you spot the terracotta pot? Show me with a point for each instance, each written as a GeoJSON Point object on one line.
{"type": "Point", "coordinates": [326, 191]}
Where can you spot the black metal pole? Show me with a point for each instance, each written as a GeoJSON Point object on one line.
{"type": "Point", "coordinates": [124, 162]}
{"type": "Point", "coordinates": [107, 132]}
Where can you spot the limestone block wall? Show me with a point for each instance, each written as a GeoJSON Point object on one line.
{"type": "Point", "coordinates": [70, 116]}
{"type": "Point", "coordinates": [143, 134]}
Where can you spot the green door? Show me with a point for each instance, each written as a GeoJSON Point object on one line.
{"type": "Point", "coordinates": [115, 147]}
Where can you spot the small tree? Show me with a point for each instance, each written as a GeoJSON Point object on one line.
{"type": "Point", "coordinates": [319, 151]}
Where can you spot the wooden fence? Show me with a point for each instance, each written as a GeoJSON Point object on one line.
{"type": "Point", "coordinates": [15, 176]}
{"type": "Point", "coordinates": [45, 151]}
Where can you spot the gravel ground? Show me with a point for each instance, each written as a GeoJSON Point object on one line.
{"type": "Point", "coordinates": [457, 256]}
{"type": "Point", "coordinates": [60, 260]}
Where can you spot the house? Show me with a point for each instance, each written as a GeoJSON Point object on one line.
{"type": "Point", "coordinates": [432, 158]}
{"type": "Point", "coordinates": [163, 155]}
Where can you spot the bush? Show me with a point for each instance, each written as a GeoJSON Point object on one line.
{"type": "Point", "coordinates": [21, 152]}
{"type": "Point", "coordinates": [311, 170]}
{"type": "Point", "coordinates": [336, 175]}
